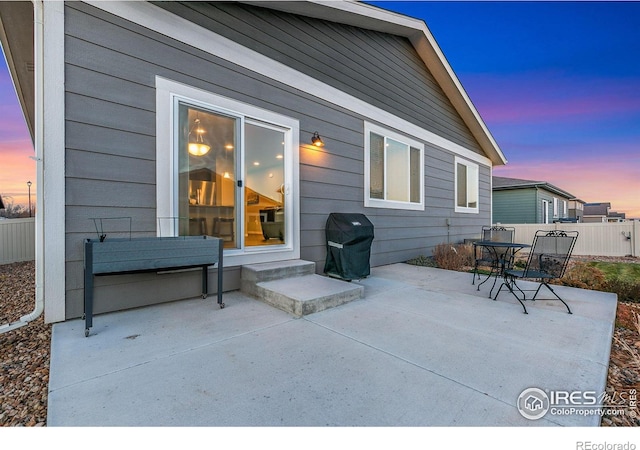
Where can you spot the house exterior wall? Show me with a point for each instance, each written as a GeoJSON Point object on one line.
{"type": "Point", "coordinates": [576, 210]}
{"type": "Point", "coordinates": [515, 206]}
{"type": "Point", "coordinates": [110, 157]}
{"type": "Point", "coordinates": [526, 205]}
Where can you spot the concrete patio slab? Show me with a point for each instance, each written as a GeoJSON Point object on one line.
{"type": "Point", "coordinates": [422, 348]}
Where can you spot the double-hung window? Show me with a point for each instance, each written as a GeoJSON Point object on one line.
{"type": "Point", "coordinates": [466, 186]}
{"type": "Point", "coordinates": [394, 170]}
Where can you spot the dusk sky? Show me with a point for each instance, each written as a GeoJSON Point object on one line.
{"type": "Point", "coordinates": [557, 83]}
{"type": "Point", "coordinates": [16, 168]}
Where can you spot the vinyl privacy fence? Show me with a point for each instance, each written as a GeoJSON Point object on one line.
{"type": "Point", "coordinates": [17, 240]}
{"type": "Point", "coordinates": [597, 239]}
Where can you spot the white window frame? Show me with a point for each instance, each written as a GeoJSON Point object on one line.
{"type": "Point", "coordinates": [390, 204]}
{"type": "Point", "coordinates": [555, 207]}
{"type": "Point", "coordinates": [168, 94]}
{"type": "Point", "coordinates": [470, 167]}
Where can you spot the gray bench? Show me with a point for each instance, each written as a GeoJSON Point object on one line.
{"type": "Point", "coordinates": [138, 255]}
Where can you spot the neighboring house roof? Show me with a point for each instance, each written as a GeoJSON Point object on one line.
{"type": "Point", "coordinates": [617, 214]}
{"type": "Point", "coordinates": [12, 20]}
{"type": "Point", "coordinates": [504, 183]}
{"type": "Point", "coordinates": [596, 209]}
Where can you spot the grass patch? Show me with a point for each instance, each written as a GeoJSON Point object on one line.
{"type": "Point", "coordinates": [624, 272]}
{"type": "Point", "coordinates": [620, 278]}
{"type": "Point", "coordinates": [422, 261]}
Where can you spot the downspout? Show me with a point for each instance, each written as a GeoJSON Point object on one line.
{"type": "Point", "coordinates": [38, 43]}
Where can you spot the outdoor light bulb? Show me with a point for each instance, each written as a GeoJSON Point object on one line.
{"type": "Point", "coordinates": [226, 175]}
{"type": "Point", "coordinates": [229, 147]}
{"type": "Point", "coordinates": [279, 156]}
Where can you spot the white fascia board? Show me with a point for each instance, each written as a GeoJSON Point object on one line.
{"type": "Point", "coordinates": [175, 27]}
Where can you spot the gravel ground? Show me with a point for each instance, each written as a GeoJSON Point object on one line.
{"type": "Point", "coordinates": [24, 356]}
{"type": "Point", "coordinates": [24, 352]}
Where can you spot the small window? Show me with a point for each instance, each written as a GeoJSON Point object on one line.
{"type": "Point", "coordinates": [555, 207]}
{"type": "Point", "coordinates": [466, 186]}
{"type": "Point", "coordinates": [393, 170]}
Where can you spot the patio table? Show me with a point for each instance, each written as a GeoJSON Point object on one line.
{"type": "Point", "coordinates": [503, 254]}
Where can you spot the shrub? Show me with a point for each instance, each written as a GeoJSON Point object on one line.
{"type": "Point", "coordinates": [587, 276]}
{"type": "Point", "coordinates": [627, 291]}
{"type": "Point", "coordinates": [584, 276]}
{"type": "Point", "coordinates": [454, 256]}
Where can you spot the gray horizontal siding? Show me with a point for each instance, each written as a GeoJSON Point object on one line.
{"type": "Point", "coordinates": [110, 154]}
{"type": "Point", "coordinates": [515, 206]}
{"type": "Point", "coordinates": [381, 69]}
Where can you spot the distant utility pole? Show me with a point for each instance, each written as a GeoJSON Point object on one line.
{"type": "Point", "coordinates": [29, 185]}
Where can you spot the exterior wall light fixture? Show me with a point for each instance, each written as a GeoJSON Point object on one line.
{"type": "Point", "coordinates": [317, 140]}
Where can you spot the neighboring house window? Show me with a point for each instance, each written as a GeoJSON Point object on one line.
{"type": "Point", "coordinates": [555, 207]}
{"type": "Point", "coordinates": [394, 170]}
{"type": "Point", "coordinates": [564, 208]}
{"type": "Point", "coordinates": [466, 186]}
{"type": "Point", "coordinates": [545, 211]}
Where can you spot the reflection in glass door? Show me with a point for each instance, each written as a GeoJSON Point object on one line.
{"type": "Point", "coordinates": [264, 193]}
{"type": "Point", "coordinates": [207, 182]}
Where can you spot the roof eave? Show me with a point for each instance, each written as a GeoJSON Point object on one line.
{"type": "Point", "coordinates": [351, 13]}
{"type": "Point", "coordinates": [545, 186]}
{"type": "Point", "coordinates": [371, 17]}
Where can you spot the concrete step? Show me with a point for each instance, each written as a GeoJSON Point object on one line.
{"type": "Point", "coordinates": [293, 286]}
{"type": "Point", "coordinates": [307, 294]}
{"type": "Point", "coordinates": [277, 270]}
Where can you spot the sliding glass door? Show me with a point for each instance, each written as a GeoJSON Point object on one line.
{"type": "Point", "coordinates": [231, 178]}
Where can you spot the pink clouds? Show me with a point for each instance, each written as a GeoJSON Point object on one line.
{"type": "Point", "coordinates": [599, 179]}
{"type": "Point", "coordinates": [16, 169]}
{"type": "Point", "coordinates": [546, 97]}
{"type": "Point", "coordinates": [15, 148]}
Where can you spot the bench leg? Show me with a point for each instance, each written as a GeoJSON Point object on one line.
{"type": "Point", "coordinates": [88, 302]}
{"type": "Point", "coordinates": [205, 281]}
{"type": "Point", "coordinates": [88, 288]}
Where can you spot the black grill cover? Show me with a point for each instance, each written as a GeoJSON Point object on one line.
{"type": "Point", "coordinates": [349, 237]}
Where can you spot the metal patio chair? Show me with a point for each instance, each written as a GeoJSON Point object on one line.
{"type": "Point", "coordinates": [484, 256]}
{"type": "Point", "coordinates": [548, 259]}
